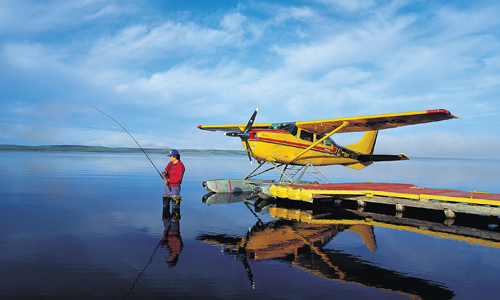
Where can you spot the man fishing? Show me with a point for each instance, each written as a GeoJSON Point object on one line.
{"type": "Point", "coordinates": [173, 178]}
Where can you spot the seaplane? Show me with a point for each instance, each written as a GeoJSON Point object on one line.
{"type": "Point", "coordinates": [293, 148]}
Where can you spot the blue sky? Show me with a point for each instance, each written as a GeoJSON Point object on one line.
{"type": "Point", "coordinates": [163, 67]}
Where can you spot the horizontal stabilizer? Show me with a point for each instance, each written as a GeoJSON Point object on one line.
{"type": "Point", "coordinates": [375, 157]}
{"type": "Point", "coordinates": [358, 166]}
{"type": "Point", "coordinates": [367, 159]}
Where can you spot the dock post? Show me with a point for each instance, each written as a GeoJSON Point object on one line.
{"type": "Point", "coordinates": [449, 213]}
{"type": "Point", "coordinates": [361, 205]}
{"type": "Point", "coordinates": [449, 222]}
{"type": "Point", "coordinates": [400, 207]}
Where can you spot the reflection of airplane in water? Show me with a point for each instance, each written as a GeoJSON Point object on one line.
{"type": "Point", "coordinates": [226, 198]}
{"type": "Point", "coordinates": [299, 235]}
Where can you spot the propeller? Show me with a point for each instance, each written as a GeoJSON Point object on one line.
{"type": "Point", "coordinates": [244, 135]}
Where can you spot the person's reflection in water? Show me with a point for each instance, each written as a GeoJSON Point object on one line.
{"type": "Point", "coordinates": [172, 236]}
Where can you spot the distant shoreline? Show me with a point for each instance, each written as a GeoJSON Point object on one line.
{"type": "Point", "coordinates": [101, 149]}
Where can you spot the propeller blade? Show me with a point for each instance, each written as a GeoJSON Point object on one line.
{"type": "Point", "coordinates": [244, 135]}
{"type": "Point", "coordinates": [250, 158]}
{"type": "Point", "coordinates": [250, 122]}
{"type": "Point", "coordinates": [248, 151]}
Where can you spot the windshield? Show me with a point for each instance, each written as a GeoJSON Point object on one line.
{"type": "Point", "coordinates": [290, 127]}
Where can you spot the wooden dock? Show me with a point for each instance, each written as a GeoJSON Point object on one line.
{"type": "Point", "coordinates": [399, 195]}
{"type": "Point", "coordinates": [466, 231]}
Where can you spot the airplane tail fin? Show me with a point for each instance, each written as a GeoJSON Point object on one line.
{"type": "Point", "coordinates": [367, 234]}
{"type": "Point", "coordinates": [365, 146]}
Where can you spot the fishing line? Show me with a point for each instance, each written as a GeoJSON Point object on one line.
{"type": "Point", "coordinates": [131, 290]}
{"type": "Point", "coordinates": [133, 139]}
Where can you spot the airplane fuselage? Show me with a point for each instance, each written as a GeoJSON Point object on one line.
{"type": "Point", "coordinates": [282, 146]}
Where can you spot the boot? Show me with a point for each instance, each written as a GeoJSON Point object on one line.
{"type": "Point", "coordinates": [166, 202]}
{"type": "Point", "coordinates": [166, 208]}
{"type": "Point", "coordinates": [176, 201]}
{"type": "Point", "coordinates": [176, 215]}
{"type": "Point", "coordinates": [176, 208]}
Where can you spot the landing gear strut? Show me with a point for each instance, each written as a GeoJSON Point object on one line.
{"type": "Point", "coordinates": [292, 173]}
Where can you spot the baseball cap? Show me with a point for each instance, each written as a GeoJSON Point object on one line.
{"type": "Point", "coordinates": [173, 152]}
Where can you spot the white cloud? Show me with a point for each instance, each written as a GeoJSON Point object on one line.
{"type": "Point", "coordinates": [32, 56]}
{"type": "Point", "coordinates": [350, 5]}
{"type": "Point", "coordinates": [138, 43]}
{"type": "Point", "coordinates": [456, 23]}
{"type": "Point", "coordinates": [284, 14]}
{"type": "Point", "coordinates": [233, 21]}
{"type": "Point", "coordinates": [175, 41]}
{"type": "Point", "coordinates": [35, 16]}
{"type": "Point", "coordinates": [295, 63]}
{"type": "Point", "coordinates": [53, 135]}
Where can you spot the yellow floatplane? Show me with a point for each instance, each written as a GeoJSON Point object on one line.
{"type": "Point", "coordinates": [292, 147]}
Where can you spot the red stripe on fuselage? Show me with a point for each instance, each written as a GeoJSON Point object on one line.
{"type": "Point", "coordinates": [280, 142]}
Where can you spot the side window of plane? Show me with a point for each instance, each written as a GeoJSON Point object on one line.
{"type": "Point", "coordinates": [306, 135]}
{"type": "Point", "coordinates": [328, 142]}
{"type": "Point", "coordinates": [317, 137]}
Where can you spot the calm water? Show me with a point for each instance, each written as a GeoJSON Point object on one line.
{"type": "Point", "coordinates": [91, 226]}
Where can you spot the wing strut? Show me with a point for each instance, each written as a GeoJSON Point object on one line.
{"type": "Point", "coordinates": [344, 124]}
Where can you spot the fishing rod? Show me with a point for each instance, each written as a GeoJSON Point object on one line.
{"type": "Point", "coordinates": [134, 141]}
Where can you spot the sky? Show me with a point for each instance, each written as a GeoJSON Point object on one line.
{"type": "Point", "coordinates": [161, 68]}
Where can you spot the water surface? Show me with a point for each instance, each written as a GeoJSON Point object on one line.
{"type": "Point", "coordinates": [90, 226]}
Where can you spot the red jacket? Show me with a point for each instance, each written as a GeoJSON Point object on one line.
{"type": "Point", "coordinates": [174, 173]}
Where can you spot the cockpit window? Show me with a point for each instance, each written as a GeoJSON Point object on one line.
{"type": "Point", "coordinates": [290, 127]}
{"type": "Point", "coordinates": [277, 126]}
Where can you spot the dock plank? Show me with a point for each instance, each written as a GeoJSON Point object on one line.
{"type": "Point", "coordinates": [394, 193]}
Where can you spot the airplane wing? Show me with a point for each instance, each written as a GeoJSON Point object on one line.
{"type": "Point", "coordinates": [376, 122]}
{"type": "Point", "coordinates": [232, 128]}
